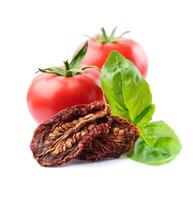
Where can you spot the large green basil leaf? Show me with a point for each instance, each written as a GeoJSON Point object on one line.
{"type": "Point", "coordinates": [158, 144]}
{"type": "Point", "coordinates": [126, 90]}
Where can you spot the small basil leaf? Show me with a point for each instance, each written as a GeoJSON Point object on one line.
{"type": "Point", "coordinates": [145, 116]}
{"type": "Point", "coordinates": [158, 144]}
{"type": "Point", "coordinates": [123, 84]}
{"type": "Point", "coordinates": [76, 61]}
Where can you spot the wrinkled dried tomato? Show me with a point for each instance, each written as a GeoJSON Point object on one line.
{"type": "Point", "coordinates": [120, 139]}
{"type": "Point", "coordinates": [64, 136]}
{"type": "Point", "coordinates": [87, 132]}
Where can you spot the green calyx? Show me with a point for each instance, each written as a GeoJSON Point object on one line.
{"type": "Point", "coordinates": [104, 38]}
{"type": "Point", "coordinates": [70, 69]}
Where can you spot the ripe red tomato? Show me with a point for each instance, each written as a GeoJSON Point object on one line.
{"type": "Point", "coordinates": [94, 74]}
{"type": "Point", "coordinates": [50, 93]}
{"type": "Point", "coordinates": [58, 88]}
{"type": "Point", "coordinates": [101, 46]}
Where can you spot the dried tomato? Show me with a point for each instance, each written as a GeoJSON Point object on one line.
{"type": "Point", "coordinates": [64, 136]}
{"type": "Point", "coordinates": [87, 132]}
{"type": "Point", "coordinates": [118, 140]}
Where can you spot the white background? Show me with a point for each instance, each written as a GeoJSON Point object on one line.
{"type": "Point", "coordinates": [43, 33]}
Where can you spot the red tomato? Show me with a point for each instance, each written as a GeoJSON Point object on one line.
{"type": "Point", "coordinates": [98, 52]}
{"type": "Point", "coordinates": [94, 74]}
{"type": "Point", "coordinates": [50, 93]}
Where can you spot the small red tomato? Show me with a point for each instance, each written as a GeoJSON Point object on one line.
{"type": "Point", "coordinates": [59, 88]}
{"type": "Point", "coordinates": [50, 93]}
{"type": "Point", "coordinates": [101, 46]}
{"type": "Point", "coordinates": [94, 74]}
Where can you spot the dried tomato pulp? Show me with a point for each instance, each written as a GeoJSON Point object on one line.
{"type": "Point", "coordinates": [119, 139]}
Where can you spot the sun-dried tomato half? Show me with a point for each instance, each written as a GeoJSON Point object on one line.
{"type": "Point", "coordinates": [120, 139]}
{"type": "Point", "coordinates": [64, 136]}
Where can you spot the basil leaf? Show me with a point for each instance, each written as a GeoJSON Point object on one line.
{"type": "Point", "coordinates": [112, 87]}
{"type": "Point", "coordinates": [126, 90]}
{"type": "Point", "coordinates": [145, 116]}
{"type": "Point", "coordinates": [158, 144]}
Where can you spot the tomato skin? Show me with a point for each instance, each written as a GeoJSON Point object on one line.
{"type": "Point", "coordinates": [97, 53]}
{"type": "Point", "coordinates": [93, 74]}
{"type": "Point", "coordinates": [50, 93]}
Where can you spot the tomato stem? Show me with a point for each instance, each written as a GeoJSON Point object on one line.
{"type": "Point", "coordinates": [113, 32]}
{"type": "Point", "coordinates": [104, 38]}
{"type": "Point", "coordinates": [66, 64]}
{"type": "Point", "coordinates": [71, 69]}
{"type": "Point", "coordinates": [69, 73]}
{"type": "Point", "coordinates": [104, 35]}
{"type": "Point", "coordinates": [89, 37]}
{"type": "Point", "coordinates": [91, 67]}
{"type": "Point", "coordinates": [124, 33]}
